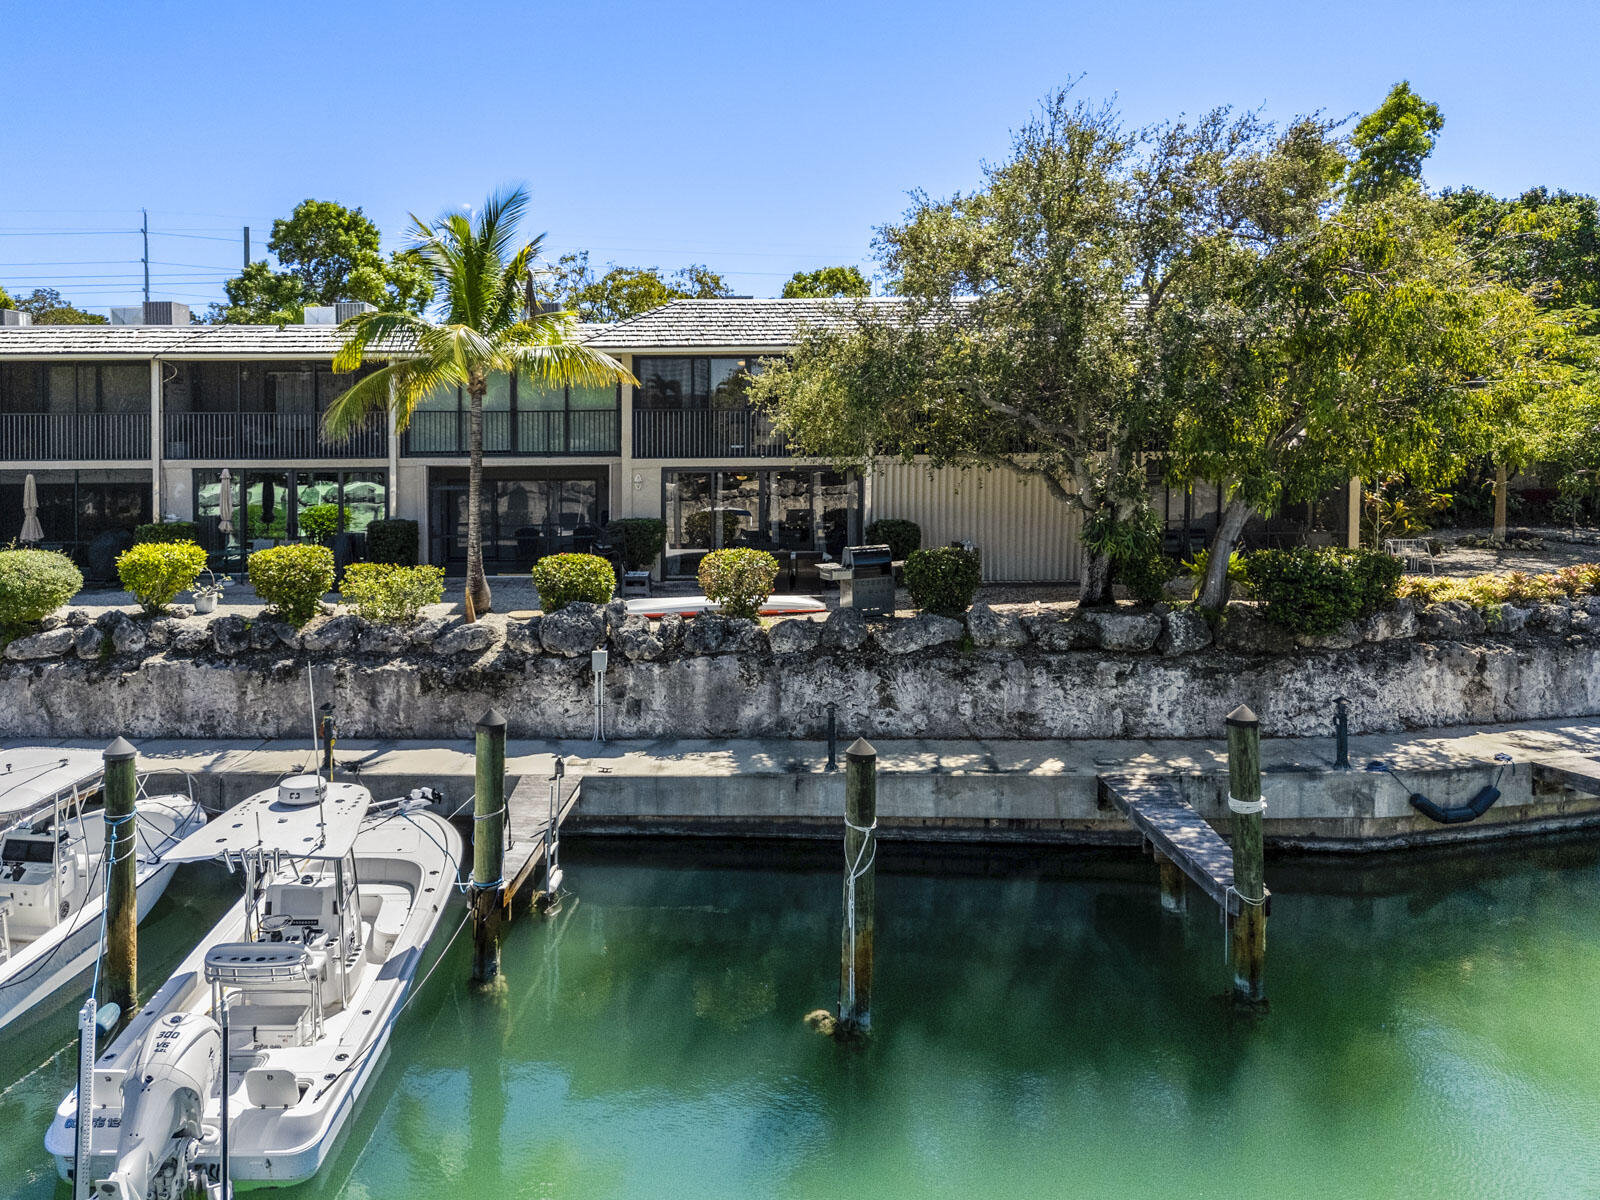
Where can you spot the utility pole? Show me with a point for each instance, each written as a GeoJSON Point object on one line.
{"type": "Point", "coordinates": [144, 228]}
{"type": "Point", "coordinates": [247, 247]}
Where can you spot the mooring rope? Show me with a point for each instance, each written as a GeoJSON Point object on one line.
{"type": "Point", "coordinates": [1230, 890]}
{"type": "Point", "coordinates": [1246, 807]}
{"type": "Point", "coordinates": [853, 872]}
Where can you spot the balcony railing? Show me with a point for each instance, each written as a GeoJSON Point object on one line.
{"type": "Point", "coordinates": [705, 433]}
{"type": "Point", "coordinates": [243, 435]}
{"type": "Point", "coordinates": [579, 431]}
{"type": "Point", "coordinates": [58, 437]}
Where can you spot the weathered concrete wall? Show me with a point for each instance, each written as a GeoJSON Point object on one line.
{"type": "Point", "coordinates": [1129, 675]}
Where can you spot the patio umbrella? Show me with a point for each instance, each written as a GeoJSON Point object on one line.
{"type": "Point", "coordinates": [32, 531]}
{"type": "Point", "coordinates": [225, 506]}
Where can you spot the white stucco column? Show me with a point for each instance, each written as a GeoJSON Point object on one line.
{"type": "Point", "coordinates": [156, 447]}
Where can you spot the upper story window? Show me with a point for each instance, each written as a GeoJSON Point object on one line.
{"type": "Point", "coordinates": [107, 387]}
{"type": "Point", "coordinates": [689, 381]}
{"type": "Point", "coordinates": [305, 388]}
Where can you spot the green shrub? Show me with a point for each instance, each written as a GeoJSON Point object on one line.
{"type": "Point", "coordinates": [33, 584]}
{"type": "Point", "coordinates": [943, 580]}
{"type": "Point", "coordinates": [155, 572]}
{"type": "Point", "coordinates": [739, 580]}
{"type": "Point", "coordinates": [1196, 567]}
{"type": "Point", "coordinates": [320, 521]}
{"type": "Point", "coordinates": [902, 537]}
{"type": "Point", "coordinates": [564, 578]}
{"type": "Point", "coordinates": [393, 541]}
{"type": "Point", "coordinates": [293, 579]}
{"type": "Point", "coordinates": [1313, 589]}
{"type": "Point", "coordinates": [166, 531]}
{"type": "Point", "coordinates": [1146, 578]}
{"type": "Point", "coordinates": [639, 539]}
{"type": "Point", "coordinates": [389, 594]}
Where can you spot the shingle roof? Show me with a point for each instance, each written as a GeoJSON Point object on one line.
{"type": "Point", "coordinates": [148, 341]}
{"type": "Point", "coordinates": [744, 324]}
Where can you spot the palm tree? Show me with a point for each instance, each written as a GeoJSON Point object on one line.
{"type": "Point", "coordinates": [486, 323]}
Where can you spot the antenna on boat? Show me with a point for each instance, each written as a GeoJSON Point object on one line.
{"type": "Point", "coordinates": [322, 784]}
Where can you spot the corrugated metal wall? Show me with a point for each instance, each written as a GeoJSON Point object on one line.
{"type": "Point", "coordinates": [1026, 534]}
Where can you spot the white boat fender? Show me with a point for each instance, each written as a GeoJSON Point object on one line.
{"type": "Point", "coordinates": [163, 1099]}
{"type": "Point", "coordinates": [106, 1018]}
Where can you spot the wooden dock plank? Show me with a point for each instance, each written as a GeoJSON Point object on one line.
{"type": "Point", "coordinates": [1573, 771]}
{"type": "Point", "coordinates": [527, 815]}
{"type": "Point", "coordinates": [1155, 807]}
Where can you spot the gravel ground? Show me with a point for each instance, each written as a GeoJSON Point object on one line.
{"type": "Point", "coordinates": [515, 594]}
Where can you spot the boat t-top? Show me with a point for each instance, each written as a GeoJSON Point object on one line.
{"type": "Point", "coordinates": [245, 1065]}
{"type": "Point", "coordinates": [53, 870]}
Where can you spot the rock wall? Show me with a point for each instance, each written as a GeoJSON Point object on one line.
{"type": "Point", "coordinates": [995, 675]}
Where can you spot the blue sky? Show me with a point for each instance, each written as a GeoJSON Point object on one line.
{"type": "Point", "coordinates": [755, 138]}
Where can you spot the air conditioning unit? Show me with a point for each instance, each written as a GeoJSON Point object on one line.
{"type": "Point", "coordinates": [334, 314]}
{"type": "Point", "coordinates": [10, 316]}
{"type": "Point", "coordinates": [151, 312]}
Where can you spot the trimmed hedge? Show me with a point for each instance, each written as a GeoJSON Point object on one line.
{"type": "Point", "coordinates": [739, 580]}
{"type": "Point", "coordinates": [392, 541]}
{"type": "Point", "coordinates": [902, 537]}
{"type": "Point", "coordinates": [155, 572]}
{"type": "Point", "coordinates": [33, 584]}
{"type": "Point", "coordinates": [391, 595]}
{"type": "Point", "coordinates": [1315, 589]}
{"type": "Point", "coordinates": [943, 580]}
{"type": "Point", "coordinates": [166, 531]}
{"type": "Point", "coordinates": [320, 521]}
{"type": "Point", "coordinates": [293, 579]}
{"type": "Point", "coordinates": [565, 578]}
{"type": "Point", "coordinates": [640, 541]}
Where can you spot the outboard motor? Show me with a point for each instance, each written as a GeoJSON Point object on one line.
{"type": "Point", "coordinates": [163, 1100]}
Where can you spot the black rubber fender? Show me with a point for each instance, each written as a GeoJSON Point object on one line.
{"type": "Point", "coordinates": [1460, 813]}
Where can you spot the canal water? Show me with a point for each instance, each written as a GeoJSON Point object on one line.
{"type": "Point", "coordinates": [1042, 1030]}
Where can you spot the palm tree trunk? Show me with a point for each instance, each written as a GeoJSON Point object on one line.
{"type": "Point", "coordinates": [478, 599]}
{"type": "Point", "coordinates": [1214, 587]}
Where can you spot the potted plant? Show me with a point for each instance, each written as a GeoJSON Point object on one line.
{"type": "Point", "coordinates": [208, 593]}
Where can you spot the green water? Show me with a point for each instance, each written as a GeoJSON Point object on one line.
{"type": "Point", "coordinates": [1042, 1030]}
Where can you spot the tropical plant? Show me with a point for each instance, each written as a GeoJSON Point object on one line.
{"type": "Point", "coordinates": [293, 579]}
{"type": "Point", "coordinates": [1196, 568]}
{"type": "Point", "coordinates": [33, 584]}
{"type": "Point", "coordinates": [738, 580]}
{"type": "Point", "coordinates": [393, 541]}
{"type": "Point", "coordinates": [943, 580]}
{"type": "Point", "coordinates": [488, 323]}
{"type": "Point", "coordinates": [320, 521]}
{"type": "Point", "coordinates": [565, 578]}
{"type": "Point", "coordinates": [901, 536]}
{"type": "Point", "coordinates": [165, 531]}
{"type": "Point", "coordinates": [389, 594]}
{"type": "Point", "coordinates": [155, 572]}
{"type": "Point", "coordinates": [640, 540]}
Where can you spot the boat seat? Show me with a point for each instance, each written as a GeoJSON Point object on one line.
{"type": "Point", "coordinates": [269, 1088]}
{"type": "Point", "coordinates": [387, 927]}
{"type": "Point", "coordinates": [271, 1025]}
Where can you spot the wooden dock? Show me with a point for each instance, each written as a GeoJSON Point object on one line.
{"type": "Point", "coordinates": [527, 816]}
{"type": "Point", "coordinates": [1568, 770]}
{"type": "Point", "coordinates": [1154, 806]}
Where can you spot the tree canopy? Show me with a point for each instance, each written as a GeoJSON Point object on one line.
{"type": "Point", "coordinates": [827, 283]}
{"type": "Point", "coordinates": [326, 253]}
{"type": "Point", "coordinates": [1391, 142]}
{"type": "Point", "coordinates": [623, 292]}
{"type": "Point", "coordinates": [48, 308]}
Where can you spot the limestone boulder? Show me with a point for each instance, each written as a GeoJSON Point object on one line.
{"type": "Point", "coordinates": [523, 636]}
{"type": "Point", "coordinates": [636, 640]}
{"type": "Point", "coordinates": [425, 632]}
{"type": "Point", "coordinates": [1397, 619]}
{"type": "Point", "coordinates": [1126, 632]}
{"type": "Point", "coordinates": [1183, 631]}
{"type": "Point", "coordinates": [88, 643]}
{"type": "Point", "coordinates": [908, 635]}
{"type": "Point", "coordinates": [48, 643]}
{"type": "Point", "coordinates": [574, 630]}
{"type": "Point", "coordinates": [1246, 630]}
{"type": "Point", "coordinates": [795, 636]}
{"type": "Point", "coordinates": [336, 635]}
{"type": "Point", "coordinates": [845, 629]}
{"type": "Point", "coordinates": [269, 633]}
{"type": "Point", "coordinates": [1508, 618]}
{"type": "Point", "coordinates": [129, 637]}
{"type": "Point", "coordinates": [190, 637]}
{"type": "Point", "coordinates": [1450, 619]}
{"type": "Point", "coordinates": [467, 639]}
{"type": "Point", "coordinates": [671, 629]}
{"type": "Point", "coordinates": [996, 630]}
{"type": "Point", "coordinates": [712, 633]}
{"type": "Point", "coordinates": [1342, 637]}
{"type": "Point", "coordinates": [1052, 631]}
{"type": "Point", "coordinates": [385, 641]}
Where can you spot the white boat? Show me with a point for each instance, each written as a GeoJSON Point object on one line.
{"type": "Point", "coordinates": [53, 871]}
{"type": "Point", "coordinates": [656, 607]}
{"type": "Point", "coordinates": [261, 1043]}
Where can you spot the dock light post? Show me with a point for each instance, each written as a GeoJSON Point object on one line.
{"type": "Point", "coordinates": [330, 730]}
{"type": "Point", "coordinates": [122, 903]}
{"type": "Point", "coordinates": [860, 887]}
{"type": "Point", "coordinates": [1245, 806]}
{"type": "Point", "coordinates": [488, 845]}
{"type": "Point", "coordinates": [833, 736]}
{"type": "Point", "coordinates": [597, 664]}
{"type": "Point", "coordinates": [1341, 734]}
{"type": "Point", "coordinates": [552, 837]}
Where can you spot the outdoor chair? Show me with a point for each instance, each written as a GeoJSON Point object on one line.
{"type": "Point", "coordinates": [1414, 552]}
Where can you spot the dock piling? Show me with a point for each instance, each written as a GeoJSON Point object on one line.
{"type": "Point", "coordinates": [1172, 894]}
{"type": "Point", "coordinates": [1341, 734]}
{"type": "Point", "coordinates": [1245, 806]}
{"type": "Point", "coordinates": [121, 966]}
{"type": "Point", "coordinates": [860, 887]}
{"type": "Point", "coordinates": [488, 845]}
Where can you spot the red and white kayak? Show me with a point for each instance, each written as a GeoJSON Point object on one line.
{"type": "Point", "coordinates": [657, 607]}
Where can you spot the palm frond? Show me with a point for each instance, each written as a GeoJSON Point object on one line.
{"type": "Point", "coordinates": [400, 386]}
{"type": "Point", "coordinates": [379, 334]}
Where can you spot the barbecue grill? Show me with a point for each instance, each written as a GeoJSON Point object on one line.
{"type": "Point", "coordinates": [866, 579]}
